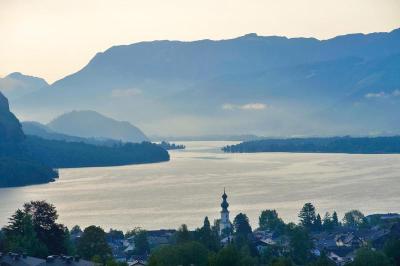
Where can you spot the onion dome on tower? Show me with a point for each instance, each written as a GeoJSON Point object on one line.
{"type": "Point", "coordinates": [224, 224]}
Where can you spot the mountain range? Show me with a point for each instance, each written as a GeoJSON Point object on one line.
{"type": "Point", "coordinates": [16, 85]}
{"type": "Point", "coordinates": [29, 159]}
{"type": "Point", "coordinates": [31, 128]}
{"type": "Point", "coordinates": [90, 124]}
{"type": "Point", "coordinates": [271, 86]}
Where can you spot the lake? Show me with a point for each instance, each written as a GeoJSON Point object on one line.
{"type": "Point", "coordinates": [189, 187]}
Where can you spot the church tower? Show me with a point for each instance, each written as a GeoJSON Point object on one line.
{"type": "Point", "coordinates": [224, 224]}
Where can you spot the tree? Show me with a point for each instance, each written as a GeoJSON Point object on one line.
{"type": "Point", "coordinates": [47, 237]}
{"type": "Point", "coordinates": [242, 225]}
{"type": "Point", "coordinates": [132, 232]}
{"type": "Point", "coordinates": [141, 243]}
{"type": "Point", "coordinates": [231, 256]}
{"type": "Point", "coordinates": [318, 223]}
{"type": "Point", "coordinates": [76, 230]}
{"type": "Point", "coordinates": [281, 262]}
{"type": "Point", "coordinates": [2, 240]}
{"type": "Point", "coordinates": [52, 234]}
{"type": "Point", "coordinates": [20, 236]}
{"type": "Point", "coordinates": [366, 256]}
{"type": "Point", "coordinates": [69, 245]}
{"type": "Point", "coordinates": [392, 250]}
{"type": "Point", "coordinates": [113, 235]}
{"type": "Point", "coordinates": [182, 235]}
{"type": "Point", "coordinates": [93, 243]}
{"type": "Point", "coordinates": [270, 253]}
{"type": "Point", "coordinates": [323, 260]}
{"type": "Point", "coordinates": [207, 237]}
{"type": "Point", "coordinates": [165, 255]}
{"type": "Point", "coordinates": [354, 219]}
{"type": "Point", "coordinates": [189, 253]}
{"type": "Point", "coordinates": [112, 262]}
{"type": "Point", "coordinates": [300, 245]}
{"type": "Point", "coordinates": [327, 222]}
{"type": "Point", "coordinates": [307, 216]}
{"type": "Point", "coordinates": [335, 219]}
{"type": "Point", "coordinates": [269, 220]}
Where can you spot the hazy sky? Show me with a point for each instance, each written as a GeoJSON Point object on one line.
{"type": "Point", "coordinates": [53, 38]}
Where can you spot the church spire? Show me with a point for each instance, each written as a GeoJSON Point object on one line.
{"type": "Point", "coordinates": [224, 203]}
{"type": "Point", "coordinates": [224, 224]}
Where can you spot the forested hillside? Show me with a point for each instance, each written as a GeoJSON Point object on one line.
{"type": "Point", "coordinates": [377, 145]}
{"type": "Point", "coordinates": [26, 160]}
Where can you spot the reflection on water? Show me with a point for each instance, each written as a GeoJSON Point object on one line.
{"type": "Point", "coordinates": [189, 187]}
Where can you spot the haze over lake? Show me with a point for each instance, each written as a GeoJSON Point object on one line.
{"type": "Point", "coordinates": [189, 187]}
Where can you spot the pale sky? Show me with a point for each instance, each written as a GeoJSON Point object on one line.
{"type": "Point", "coordinates": [54, 38]}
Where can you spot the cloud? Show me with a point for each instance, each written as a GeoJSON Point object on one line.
{"type": "Point", "coordinates": [123, 93]}
{"type": "Point", "coordinates": [395, 93]}
{"type": "Point", "coordinates": [375, 95]}
{"type": "Point", "coordinates": [254, 106]}
{"type": "Point", "coordinates": [228, 106]}
{"type": "Point", "coordinates": [246, 107]}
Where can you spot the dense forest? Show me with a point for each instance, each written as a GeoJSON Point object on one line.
{"type": "Point", "coordinates": [14, 172]}
{"type": "Point", "coordinates": [62, 154]}
{"type": "Point", "coordinates": [32, 160]}
{"type": "Point", "coordinates": [171, 146]}
{"type": "Point", "coordinates": [361, 145]}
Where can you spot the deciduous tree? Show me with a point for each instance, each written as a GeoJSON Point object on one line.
{"type": "Point", "coordinates": [354, 218]}
{"type": "Point", "coordinates": [269, 220]}
{"type": "Point", "coordinates": [93, 243]}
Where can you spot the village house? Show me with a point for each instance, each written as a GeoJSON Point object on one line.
{"type": "Point", "coordinates": [159, 237]}
{"type": "Point", "coordinates": [349, 240]}
{"type": "Point", "coordinates": [137, 263]}
{"type": "Point", "coordinates": [15, 259]}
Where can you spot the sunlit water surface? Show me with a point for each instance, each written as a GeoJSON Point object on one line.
{"type": "Point", "coordinates": [189, 187]}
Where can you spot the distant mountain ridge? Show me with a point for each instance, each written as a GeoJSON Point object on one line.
{"type": "Point", "coordinates": [16, 85]}
{"type": "Point", "coordinates": [90, 124]}
{"type": "Point", "coordinates": [39, 130]}
{"type": "Point", "coordinates": [27, 159]}
{"type": "Point", "coordinates": [247, 85]}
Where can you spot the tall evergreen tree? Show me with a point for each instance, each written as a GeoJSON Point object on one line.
{"type": "Point", "coordinates": [335, 219]}
{"type": "Point", "coordinates": [307, 216]}
{"type": "Point", "coordinates": [327, 222]}
{"type": "Point", "coordinates": [207, 237]}
{"type": "Point", "coordinates": [318, 223]}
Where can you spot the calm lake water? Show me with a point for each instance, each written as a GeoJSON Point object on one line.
{"type": "Point", "coordinates": [189, 187]}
